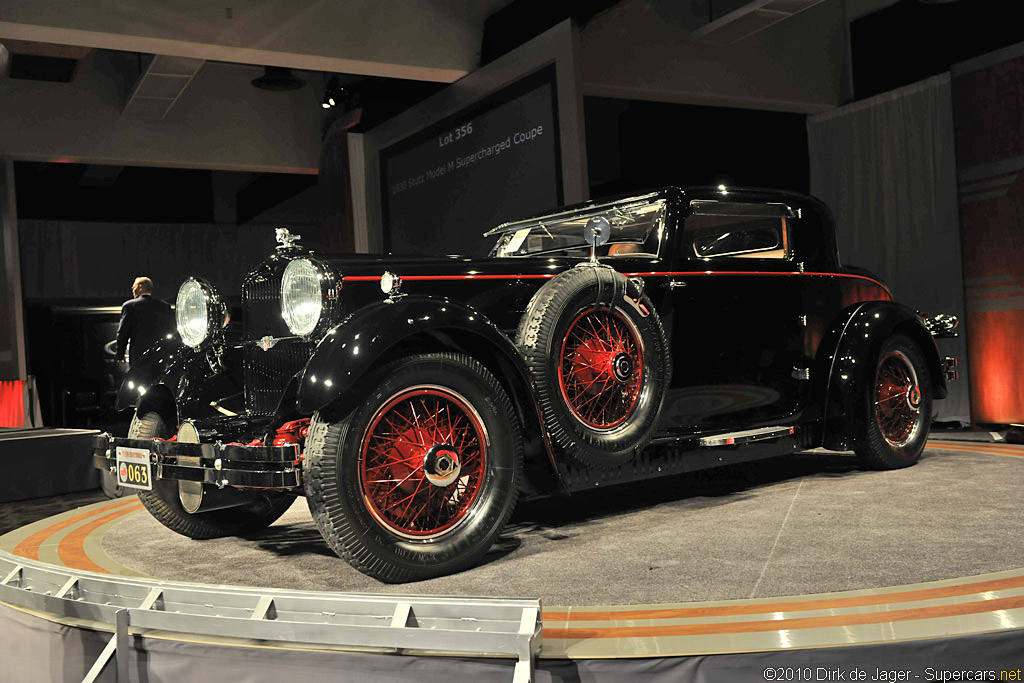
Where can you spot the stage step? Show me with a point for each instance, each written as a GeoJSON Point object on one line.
{"type": "Point", "coordinates": [746, 436]}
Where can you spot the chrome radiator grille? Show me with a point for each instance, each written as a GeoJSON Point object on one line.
{"type": "Point", "coordinates": [268, 372]}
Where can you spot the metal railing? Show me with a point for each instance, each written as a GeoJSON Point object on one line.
{"type": "Point", "coordinates": [396, 624]}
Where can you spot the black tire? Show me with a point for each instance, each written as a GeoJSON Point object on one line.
{"type": "Point", "coordinates": [165, 505]}
{"type": "Point", "coordinates": [559, 337]}
{"type": "Point", "coordinates": [359, 469]}
{"type": "Point", "coordinates": [897, 407]}
{"type": "Point", "coordinates": [111, 487]}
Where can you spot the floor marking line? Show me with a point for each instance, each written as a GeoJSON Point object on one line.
{"type": "Point", "coordinates": [71, 549]}
{"type": "Point", "coordinates": [914, 595]}
{"type": "Point", "coordinates": [777, 537]}
{"type": "Point", "coordinates": [990, 450]}
{"type": "Point", "coordinates": [30, 546]}
{"type": "Point", "coordinates": [841, 620]}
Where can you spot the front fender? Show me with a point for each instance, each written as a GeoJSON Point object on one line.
{"type": "Point", "coordinates": [351, 348]}
{"type": "Point", "coordinates": [185, 375]}
{"type": "Point", "coordinates": [362, 341]}
{"type": "Point", "coordinates": [164, 363]}
{"type": "Point", "coordinates": [853, 364]}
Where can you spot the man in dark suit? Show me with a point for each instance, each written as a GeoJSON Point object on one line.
{"type": "Point", "coordinates": [144, 321]}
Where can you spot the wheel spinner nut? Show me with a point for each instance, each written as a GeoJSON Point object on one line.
{"type": "Point", "coordinates": [622, 367]}
{"type": "Point", "coordinates": [914, 396]}
{"type": "Point", "coordinates": [441, 465]}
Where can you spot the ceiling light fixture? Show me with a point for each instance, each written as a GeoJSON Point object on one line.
{"type": "Point", "coordinates": [278, 79]}
{"type": "Point", "coordinates": [334, 94]}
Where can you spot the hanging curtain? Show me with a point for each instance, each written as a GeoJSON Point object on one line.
{"type": "Point", "coordinates": [887, 167]}
{"type": "Point", "coordinates": [67, 261]}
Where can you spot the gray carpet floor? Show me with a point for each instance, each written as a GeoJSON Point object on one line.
{"type": "Point", "coordinates": [807, 523]}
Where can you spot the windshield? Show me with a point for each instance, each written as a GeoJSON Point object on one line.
{"type": "Point", "coordinates": [636, 226]}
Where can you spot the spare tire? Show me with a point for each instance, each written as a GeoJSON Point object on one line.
{"type": "Point", "coordinates": [597, 351]}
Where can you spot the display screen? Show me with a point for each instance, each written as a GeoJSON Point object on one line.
{"type": "Point", "coordinates": [495, 161]}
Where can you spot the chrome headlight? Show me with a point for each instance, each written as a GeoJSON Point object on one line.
{"type": "Point", "coordinates": [197, 311]}
{"type": "Point", "coordinates": [302, 298]}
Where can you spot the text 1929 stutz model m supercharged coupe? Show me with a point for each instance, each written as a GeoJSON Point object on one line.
{"type": "Point", "coordinates": [603, 343]}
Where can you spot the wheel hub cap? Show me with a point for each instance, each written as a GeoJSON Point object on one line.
{"type": "Point", "coordinates": [914, 397]}
{"type": "Point", "coordinates": [441, 465]}
{"type": "Point", "coordinates": [622, 367]}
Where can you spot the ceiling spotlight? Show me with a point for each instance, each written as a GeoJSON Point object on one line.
{"type": "Point", "coordinates": [278, 78]}
{"type": "Point", "coordinates": [333, 94]}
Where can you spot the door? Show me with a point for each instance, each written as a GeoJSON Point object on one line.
{"type": "Point", "coordinates": [736, 327]}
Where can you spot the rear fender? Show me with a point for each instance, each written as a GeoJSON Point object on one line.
{"type": "Point", "coordinates": [852, 363]}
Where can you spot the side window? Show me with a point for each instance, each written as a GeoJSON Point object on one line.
{"type": "Point", "coordinates": [737, 236]}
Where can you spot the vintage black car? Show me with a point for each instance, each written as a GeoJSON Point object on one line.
{"type": "Point", "coordinates": [413, 401]}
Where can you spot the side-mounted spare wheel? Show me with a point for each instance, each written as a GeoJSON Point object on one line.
{"type": "Point", "coordinates": [897, 407]}
{"type": "Point", "coordinates": [598, 352]}
{"type": "Point", "coordinates": [419, 480]}
{"type": "Point", "coordinates": [164, 501]}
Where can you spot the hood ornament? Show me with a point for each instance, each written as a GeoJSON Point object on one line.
{"type": "Point", "coordinates": [285, 239]}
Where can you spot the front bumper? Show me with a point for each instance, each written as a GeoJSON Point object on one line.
{"type": "Point", "coordinates": [220, 465]}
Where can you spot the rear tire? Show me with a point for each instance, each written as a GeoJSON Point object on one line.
{"type": "Point", "coordinates": [163, 502]}
{"type": "Point", "coordinates": [897, 407]}
{"type": "Point", "coordinates": [419, 480]}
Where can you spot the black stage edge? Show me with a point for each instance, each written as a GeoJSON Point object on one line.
{"type": "Point", "coordinates": [36, 649]}
{"type": "Point", "coordinates": [46, 462]}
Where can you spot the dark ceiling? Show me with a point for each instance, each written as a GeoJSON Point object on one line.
{"type": "Point", "coordinates": [901, 44]}
{"type": "Point", "coordinates": [912, 40]}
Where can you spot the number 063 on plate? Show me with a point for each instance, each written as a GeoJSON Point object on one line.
{"type": "Point", "coordinates": [133, 468]}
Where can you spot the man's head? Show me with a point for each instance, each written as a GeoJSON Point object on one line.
{"type": "Point", "coordinates": [142, 285]}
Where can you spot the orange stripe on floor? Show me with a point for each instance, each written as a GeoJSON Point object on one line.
{"type": "Point", "coordinates": [786, 624]}
{"type": "Point", "coordinates": [994, 449]}
{"type": "Point", "coordinates": [1008, 583]}
{"type": "Point", "coordinates": [30, 546]}
{"type": "Point", "coordinates": [71, 549]}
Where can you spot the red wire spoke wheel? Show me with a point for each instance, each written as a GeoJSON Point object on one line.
{"type": "Point", "coordinates": [423, 461]}
{"type": "Point", "coordinates": [601, 369]}
{"type": "Point", "coordinates": [898, 398]}
{"type": "Point", "coordinates": [598, 354]}
{"type": "Point", "coordinates": [419, 479]}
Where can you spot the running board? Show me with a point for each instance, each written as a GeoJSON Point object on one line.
{"type": "Point", "coordinates": [737, 438]}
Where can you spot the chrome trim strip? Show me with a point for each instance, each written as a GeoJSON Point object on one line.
{"type": "Point", "coordinates": [746, 436]}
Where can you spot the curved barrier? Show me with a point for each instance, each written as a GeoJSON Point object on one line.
{"type": "Point", "coordinates": [969, 613]}
{"type": "Point", "coordinates": [489, 627]}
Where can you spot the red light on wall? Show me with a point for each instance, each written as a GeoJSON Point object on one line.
{"type": "Point", "coordinates": [12, 404]}
{"type": "Point", "coordinates": [997, 394]}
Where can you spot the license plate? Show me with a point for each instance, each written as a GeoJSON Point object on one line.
{"type": "Point", "coordinates": [133, 468]}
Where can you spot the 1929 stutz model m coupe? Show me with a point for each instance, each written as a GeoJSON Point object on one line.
{"type": "Point", "coordinates": [413, 401]}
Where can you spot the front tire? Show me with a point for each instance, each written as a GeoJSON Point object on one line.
{"type": "Point", "coordinates": [165, 505]}
{"type": "Point", "coordinates": [420, 479]}
{"type": "Point", "coordinates": [111, 487]}
{"type": "Point", "coordinates": [898, 407]}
